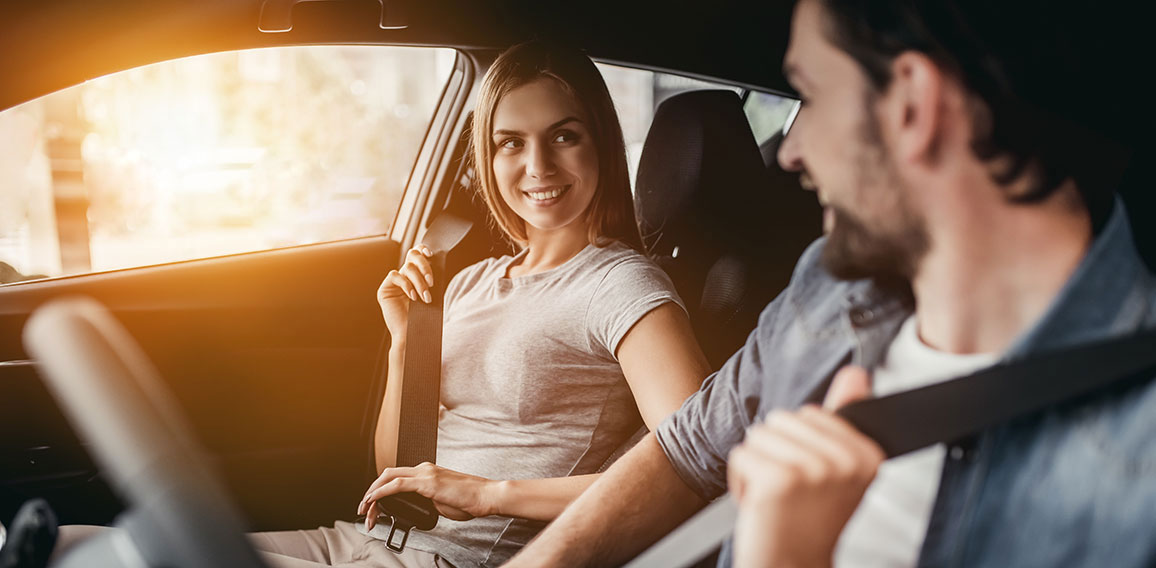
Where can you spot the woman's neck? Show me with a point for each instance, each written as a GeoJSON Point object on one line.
{"type": "Point", "coordinates": [549, 249]}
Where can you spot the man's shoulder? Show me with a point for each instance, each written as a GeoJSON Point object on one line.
{"type": "Point", "coordinates": [810, 276]}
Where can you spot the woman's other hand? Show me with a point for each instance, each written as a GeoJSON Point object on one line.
{"type": "Point", "coordinates": [411, 282]}
{"type": "Point", "coordinates": [457, 496]}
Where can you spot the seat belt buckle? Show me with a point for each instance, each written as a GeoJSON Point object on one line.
{"type": "Point", "coordinates": [408, 511]}
{"type": "Point", "coordinates": [398, 535]}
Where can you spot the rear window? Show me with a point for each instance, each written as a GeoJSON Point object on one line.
{"type": "Point", "coordinates": [638, 92]}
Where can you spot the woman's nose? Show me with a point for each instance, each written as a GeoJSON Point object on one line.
{"type": "Point", "coordinates": [540, 161]}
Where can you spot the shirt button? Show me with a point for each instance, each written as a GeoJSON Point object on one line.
{"type": "Point", "coordinates": [861, 316]}
{"type": "Point", "coordinates": [956, 453]}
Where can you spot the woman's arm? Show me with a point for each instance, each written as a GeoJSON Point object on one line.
{"type": "Point", "coordinates": [662, 363]}
{"type": "Point", "coordinates": [461, 497]}
{"type": "Point", "coordinates": [389, 417]}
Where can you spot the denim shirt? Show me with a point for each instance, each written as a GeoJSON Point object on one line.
{"type": "Point", "coordinates": [1073, 485]}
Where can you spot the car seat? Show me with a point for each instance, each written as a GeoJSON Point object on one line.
{"type": "Point", "coordinates": [726, 227]}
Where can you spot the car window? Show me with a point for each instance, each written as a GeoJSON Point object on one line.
{"type": "Point", "coordinates": [767, 112]}
{"type": "Point", "coordinates": [212, 155]}
{"type": "Point", "coordinates": [637, 94]}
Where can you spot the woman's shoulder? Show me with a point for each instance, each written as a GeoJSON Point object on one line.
{"type": "Point", "coordinates": [491, 268]}
{"type": "Point", "coordinates": [620, 267]}
{"type": "Point", "coordinates": [487, 266]}
{"type": "Point", "coordinates": [616, 253]}
{"type": "Point", "coordinates": [478, 268]}
{"type": "Point", "coordinates": [630, 285]}
{"type": "Point", "coordinates": [619, 257]}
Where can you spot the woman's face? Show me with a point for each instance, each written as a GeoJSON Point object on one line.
{"type": "Point", "coordinates": [545, 161]}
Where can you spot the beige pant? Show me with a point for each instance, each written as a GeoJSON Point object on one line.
{"type": "Point", "coordinates": [340, 545]}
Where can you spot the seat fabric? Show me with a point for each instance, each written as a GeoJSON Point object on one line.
{"type": "Point", "coordinates": [725, 226]}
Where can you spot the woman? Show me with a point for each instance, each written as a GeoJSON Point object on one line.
{"type": "Point", "coordinates": [547, 353]}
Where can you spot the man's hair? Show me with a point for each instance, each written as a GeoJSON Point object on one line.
{"type": "Point", "coordinates": [611, 212]}
{"type": "Point", "coordinates": [1023, 64]}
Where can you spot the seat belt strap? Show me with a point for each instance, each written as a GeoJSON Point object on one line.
{"type": "Point", "coordinates": [421, 384]}
{"type": "Point", "coordinates": [943, 413]}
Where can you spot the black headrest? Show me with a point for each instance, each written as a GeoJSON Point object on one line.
{"type": "Point", "coordinates": [701, 173]}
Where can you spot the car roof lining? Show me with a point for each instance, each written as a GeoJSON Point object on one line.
{"type": "Point", "coordinates": [45, 47]}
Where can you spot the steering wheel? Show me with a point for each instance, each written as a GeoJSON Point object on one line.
{"type": "Point", "coordinates": [178, 513]}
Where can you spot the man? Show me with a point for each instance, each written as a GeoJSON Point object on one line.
{"type": "Point", "coordinates": [969, 219]}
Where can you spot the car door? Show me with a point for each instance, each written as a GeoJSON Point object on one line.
{"type": "Point", "coordinates": [239, 231]}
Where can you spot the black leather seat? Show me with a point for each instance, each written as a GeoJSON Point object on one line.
{"type": "Point", "coordinates": [727, 228]}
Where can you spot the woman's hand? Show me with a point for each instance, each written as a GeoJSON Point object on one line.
{"type": "Point", "coordinates": [411, 282]}
{"type": "Point", "coordinates": [456, 495]}
{"type": "Point", "coordinates": [798, 477]}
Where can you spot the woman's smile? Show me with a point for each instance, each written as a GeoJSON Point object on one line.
{"type": "Point", "coordinates": [544, 196]}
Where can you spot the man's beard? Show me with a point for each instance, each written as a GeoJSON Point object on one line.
{"type": "Point", "coordinates": [887, 253]}
{"type": "Point", "coordinates": [853, 251]}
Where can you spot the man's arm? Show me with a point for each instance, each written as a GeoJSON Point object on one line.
{"type": "Point", "coordinates": [637, 501]}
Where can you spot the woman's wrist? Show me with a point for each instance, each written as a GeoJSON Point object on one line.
{"type": "Point", "coordinates": [497, 494]}
{"type": "Point", "coordinates": [396, 340]}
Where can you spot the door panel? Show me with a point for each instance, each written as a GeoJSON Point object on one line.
{"type": "Point", "coordinates": [272, 356]}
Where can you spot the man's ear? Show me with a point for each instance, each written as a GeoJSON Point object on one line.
{"type": "Point", "coordinates": [915, 109]}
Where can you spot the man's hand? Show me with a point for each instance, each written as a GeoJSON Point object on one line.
{"type": "Point", "coordinates": [798, 477]}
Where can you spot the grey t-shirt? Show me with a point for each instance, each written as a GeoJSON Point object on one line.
{"type": "Point", "coordinates": [531, 386]}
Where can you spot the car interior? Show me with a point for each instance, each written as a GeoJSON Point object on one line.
{"type": "Point", "coordinates": [275, 356]}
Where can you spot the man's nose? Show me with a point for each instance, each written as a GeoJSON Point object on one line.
{"type": "Point", "coordinates": [788, 155]}
{"type": "Point", "coordinates": [540, 161]}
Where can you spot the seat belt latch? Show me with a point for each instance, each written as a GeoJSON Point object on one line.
{"type": "Point", "coordinates": [398, 535]}
{"type": "Point", "coordinates": [408, 511]}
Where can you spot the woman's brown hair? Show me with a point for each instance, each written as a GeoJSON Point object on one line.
{"type": "Point", "coordinates": [611, 212]}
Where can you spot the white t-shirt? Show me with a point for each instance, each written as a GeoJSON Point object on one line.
{"type": "Point", "coordinates": [531, 384]}
{"type": "Point", "coordinates": [887, 529]}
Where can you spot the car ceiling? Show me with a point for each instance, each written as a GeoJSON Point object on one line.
{"type": "Point", "coordinates": [46, 46]}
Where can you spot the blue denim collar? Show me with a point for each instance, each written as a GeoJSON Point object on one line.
{"type": "Point", "coordinates": [1107, 295]}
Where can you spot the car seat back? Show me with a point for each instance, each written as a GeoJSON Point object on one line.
{"type": "Point", "coordinates": [725, 227]}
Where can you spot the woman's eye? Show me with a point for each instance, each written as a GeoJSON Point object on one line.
{"type": "Point", "coordinates": [510, 144]}
{"type": "Point", "coordinates": [566, 136]}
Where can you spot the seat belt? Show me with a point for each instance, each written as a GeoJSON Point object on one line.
{"type": "Point", "coordinates": [943, 413]}
{"type": "Point", "coordinates": [421, 385]}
